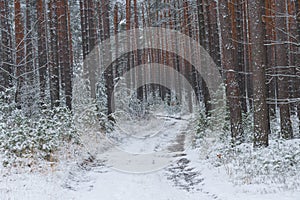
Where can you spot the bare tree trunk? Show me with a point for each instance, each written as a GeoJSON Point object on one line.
{"type": "Point", "coordinates": [6, 53]}
{"type": "Point", "coordinates": [137, 53]}
{"type": "Point", "coordinates": [83, 16]}
{"type": "Point", "coordinates": [28, 40]}
{"type": "Point", "coordinates": [188, 66]}
{"type": "Point", "coordinates": [232, 87]}
{"type": "Point", "coordinates": [64, 51]}
{"type": "Point", "coordinates": [298, 57]}
{"type": "Point", "coordinates": [116, 31]}
{"type": "Point", "coordinates": [42, 49]}
{"type": "Point", "coordinates": [128, 42]}
{"type": "Point", "coordinates": [20, 50]}
{"type": "Point", "coordinates": [283, 70]}
{"type": "Point", "coordinates": [239, 6]}
{"type": "Point", "coordinates": [248, 57]}
{"type": "Point", "coordinates": [92, 30]}
{"type": "Point", "coordinates": [271, 54]}
{"type": "Point", "coordinates": [53, 56]}
{"type": "Point", "coordinates": [108, 74]}
{"type": "Point", "coordinates": [261, 115]}
{"type": "Point", "coordinates": [203, 29]}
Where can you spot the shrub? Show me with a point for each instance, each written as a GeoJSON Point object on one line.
{"type": "Point", "coordinates": [35, 137]}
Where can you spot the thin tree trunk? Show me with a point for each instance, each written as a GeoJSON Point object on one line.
{"type": "Point", "coordinates": [108, 74]}
{"type": "Point", "coordinates": [92, 31]}
{"type": "Point", "coordinates": [53, 56]}
{"type": "Point", "coordinates": [83, 29]}
{"type": "Point", "coordinates": [28, 40]}
{"type": "Point", "coordinates": [298, 58]}
{"type": "Point", "coordinates": [42, 49]}
{"type": "Point", "coordinates": [128, 42]}
{"type": "Point", "coordinates": [20, 50]}
{"type": "Point", "coordinates": [116, 31]}
{"type": "Point", "coordinates": [283, 70]}
{"type": "Point", "coordinates": [137, 54]}
{"type": "Point", "coordinates": [6, 53]}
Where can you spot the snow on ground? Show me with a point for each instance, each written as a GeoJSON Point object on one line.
{"type": "Point", "coordinates": [170, 169]}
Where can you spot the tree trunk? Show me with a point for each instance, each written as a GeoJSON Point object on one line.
{"type": "Point", "coordinates": [283, 70]}
{"type": "Point", "coordinates": [5, 53]}
{"type": "Point", "coordinates": [84, 29]}
{"type": "Point", "coordinates": [261, 116]}
{"type": "Point", "coordinates": [53, 56]}
{"type": "Point", "coordinates": [108, 74]}
{"type": "Point", "coordinates": [230, 67]}
{"type": "Point", "coordinates": [128, 42]}
{"type": "Point", "coordinates": [64, 51]}
{"type": "Point", "coordinates": [20, 50]}
{"type": "Point", "coordinates": [298, 58]}
{"type": "Point", "coordinates": [137, 54]}
{"type": "Point", "coordinates": [116, 31]}
{"type": "Point", "coordinates": [271, 55]}
{"type": "Point", "coordinates": [42, 49]}
{"type": "Point", "coordinates": [92, 30]}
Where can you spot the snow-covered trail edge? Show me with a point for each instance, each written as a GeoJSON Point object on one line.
{"type": "Point", "coordinates": [187, 177]}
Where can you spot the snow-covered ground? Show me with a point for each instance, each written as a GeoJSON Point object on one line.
{"type": "Point", "coordinates": [155, 160]}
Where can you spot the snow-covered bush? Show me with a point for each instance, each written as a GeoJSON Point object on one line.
{"type": "Point", "coordinates": [217, 124]}
{"type": "Point", "coordinates": [35, 137]}
{"type": "Point", "coordinates": [248, 126]}
{"type": "Point", "coordinates": [278, 164]}
{"type": "Point", "coordinates": [106, 122]}
{"type": "Point", "coordinates": [201, 124]}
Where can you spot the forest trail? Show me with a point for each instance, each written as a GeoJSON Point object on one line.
{"type": "Point", "coordinates": [114, 175]}
{"type": "Point", "coordinates": [111, 174]}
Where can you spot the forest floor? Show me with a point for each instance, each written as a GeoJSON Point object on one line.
{"type": "Point", "coordinates": [157, 160]}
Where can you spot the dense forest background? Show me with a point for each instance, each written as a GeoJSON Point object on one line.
{"type": "Point", "coordinates": [43, 43]}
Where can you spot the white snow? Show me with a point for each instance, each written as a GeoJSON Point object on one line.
{"type": "Point", "coordinates": [144, 168]}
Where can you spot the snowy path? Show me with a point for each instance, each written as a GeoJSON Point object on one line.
{"type": "Point", "coordinates": [172, 172]}
{"type": "Point", "coordinates": [173, 180]}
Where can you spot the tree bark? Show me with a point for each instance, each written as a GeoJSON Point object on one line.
{"type": "Point", "coordinates": [53, 56]}
{"type": "Point", "coordinates": [230, 67]}
{"type": "Point", "coordinates": [283, 70]}
{"type": "Point", "coordinates": [5, 53]}
{"type": "Point", "coordinates": [261, 116]}
{"type": "Point", "coordinates": [20, 50]}
{"type": "Point", "coordinates": [108, 74]}
{"type": "Point", "coordinates": [64, 51]}
{"type": "Point", "coordinates": [298, 58]}
{"type": "Point", "coordinates": [42, 49]}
